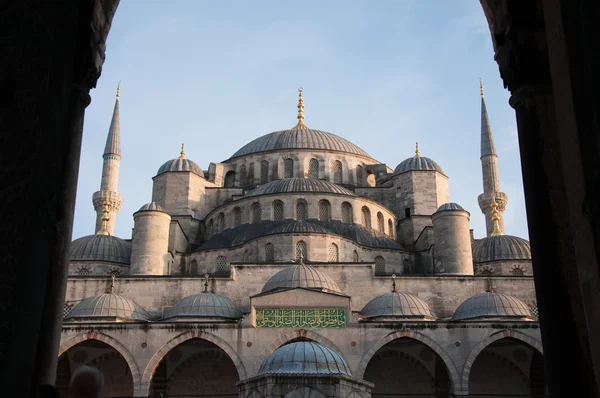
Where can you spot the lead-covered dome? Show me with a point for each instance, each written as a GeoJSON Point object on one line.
{"type": "Point", "coordinates": [108, 307]}
{"type": "Point", "coordinates": [296, 184]}
{"type": "Point", "coordinates": [417, 163]}
{"type": "Point", "coordinates": [204, 305]}
{"type": "Point", "coordinates": [180, 164]}
{"type": "Point", "coordinates": [396, 304]}
{"type": "Point", "coordinates": [450, 207]}
{"type": "Point", "coordinates": [501, 247]}
{"type": "Point", "coordinates": [101, 248]}
{"type": "Point", "coordinates": [301, 275]}
{"type": "Point", "coordinates": [304, 358]}
{"type": "Point", "coordinates": [152, 206]}
{"type": "Point", "coordinates": [492, 305]}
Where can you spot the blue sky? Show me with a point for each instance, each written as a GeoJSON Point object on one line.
{"type": "Point", "coordinates": [217, 74]}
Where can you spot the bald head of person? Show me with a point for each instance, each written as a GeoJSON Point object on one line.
{"type": "Point", "coordinates": [87, 382]}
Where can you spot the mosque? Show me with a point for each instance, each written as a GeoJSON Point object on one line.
{"type": "Point", "coordinates": [302, 267]}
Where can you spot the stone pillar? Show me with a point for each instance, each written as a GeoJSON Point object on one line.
{"type": "Point", "coordinates": [150, 242]}
{"type": "Point", "coordinates": [453, 253]}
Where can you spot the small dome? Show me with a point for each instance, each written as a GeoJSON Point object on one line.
{"type": "Point", "coordinates": [397, 304]}
{"type": "Point", "coordinates": [204, 305]}
{"type": "Point", "coordinates": [450, 206]}
{"type": "Point", "coordinates": [101, 248]}
{"type": "Point", "coordinates": [501, 247]}
{"type": "Point", "coordinates": [299, 185]}
{"type": "Point", "coordinates": [152, 206]}
{"type": "Point", "coordinates": [304, 358]}
{"type": "Point", "coordinates": [301, 275]}
{"type": "Point", "coordinates": [108, 305]}
{"type": "Point", "coordinates": [417, 163]}
{"type": "Point", "coordinates": [180, 164]}
{"type": "Point", "coordinates": [492, 305]}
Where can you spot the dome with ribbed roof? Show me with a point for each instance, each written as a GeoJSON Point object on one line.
{"type": "Point", "coordinates": [449, 207]}
{"type": "Point", "coordinates": [108, 307]}
{"type": "Point", "coordinates": [501, 247]}
{"type": "Point", "coordinates": [301, 275]}
{"type": "Point", "coordinates": [101, 248]}
{"type": "Point", "coordinates": [180, 164]}
{"type": "Point", "coordinates": [417, 163]}
{"type": "Point", "coordinates": [296, 184]}
{"type": "Point", "coordinates": [152, 206]}
{"type": "Point", "coordinates": [492, 305]}
{"type": "Point", "coordinates": [204, 305]}
{"type": "Point", "coordinates": [396, 304]}
{"type": "Point", "coordinates": [304, 358]}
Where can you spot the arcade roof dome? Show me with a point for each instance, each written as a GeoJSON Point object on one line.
{"type": "Point", "coordinates": [101, 248]}
{"type": "Point", "coordinates": [108, 305]}
{"type": "Point", "coordinates": [501, 247]}
{"type": "Point", "coordinates": [296, 184]}
{"type": "Point", "coordinates": [301, 275]}
{"type": "Point", "coordinates": [204, 305]}
{"type": "Point", "coordinates": [304, 358]}
{"type": "Point", "coordinates": [396, 304]}
{"type": "Point", "coordinates": [491, 305]}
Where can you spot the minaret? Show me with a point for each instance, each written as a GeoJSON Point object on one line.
{"type": "Point", "coordinates": [491, 180]}
{"type": "Point", "coordinates": [110, 176]}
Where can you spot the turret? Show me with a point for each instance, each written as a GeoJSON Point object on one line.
{"type": "Point", "coordinates": [150, 241]}
{"type": "Point", "coordinates": [110, 174]}
{"type": "Point", "coordinates": [491, 179]}
{"type": "Point", "coordinates": [452, 240]}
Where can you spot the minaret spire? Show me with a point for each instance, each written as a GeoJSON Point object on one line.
{"type": "Point", "coordinates": [494, 218]}
{"type": "Point", "coordinates": [110, 175]}
{"type": "Point", "coordinates": [300, 125]}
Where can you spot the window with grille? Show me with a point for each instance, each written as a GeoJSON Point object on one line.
{"type": "Point", "coordinates": [256, 213]}
{"type": "Point", "coordinates": [221, 222]}
{"type": "Point", "coordinates": [278, 210]}
{"type": "Point", "coordinates": [355, 256]}
{"type": "Point", "coordinates": [288, 168]}
{"type": "Point", "coordinates": [301, 250]}
{"type": "Point", "coordinates": [83, 271]}
{"type": "Point", "coordinates": [301, 211]}
{"type": "Point", "coordinates": [222, 265]}
{"type": "Point", "coordinates": [359, 175]}
{"type": "Point", "coordinates": [380, 223]}
{"type": "Point", "coordinates": [390, 228]}
{"type": "Point", "coordinates": [243, 175]}
{"type": "Point", "coordinates": [333, 254]}
{"type": "Point", "coordinates": [534, 309]}
{"type": "Point", "coordinates": [366, 217]}
{"type": "Point", "coordinates": [193, 271]}
{"type": "Point", "coordinates": [209, 230]}
{"type": "Point", "coordinates": [517, 271]}
{"type": "Point", "coordinates": [379, 265]}
{"type": "Point", "coordinates": [269, 253]}
{"type": "Point", "coordinates": [324, 211]}
{"type": "Point", "coordinates": [264, 172]}
{"type": "Point", "coordinates": [67, 309]}
{"type": "Point", "coordinates": [347, 213]}
{"type": "Point", "coordinates": [313, 168]}
{"type": "Point", "coordinates": [237, 216]}
{"type": "Point", "coordinates": [230, 179]}
{"type": "Point", "coordinates": [114, 272]}
{"type": "Point", "coordinates": [337, 172]}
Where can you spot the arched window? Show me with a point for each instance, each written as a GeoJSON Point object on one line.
{"type": "Point", "coordinates": [264, 171]}
{"type": "Point", "coordinates": [359, 176]}
{"type": "Point", "coordinates": [221, 222]}
{"type": "Point", "coordinates": [337, 172]}
{"type": "Point", "coordinates": [301, 211]}
{"type": "Point", "coordinates": [347, 216]}
{"type": "Point", "coordinates": [324, 211]}
{"type": "Point", "coordinates": [243, 175]}
{"type": "Point", "coordinates": [355, 256]}
{"type": "Point", "coordinates": [246, 256]}
{"type": "Point", "coordinates": [193, 271]}
{"type": "Point", "coordinates": [333, 254]}
{"type": "Point", "coordinates": [301, 250]}
{"type": "Point", "coordinates": [517, 271]}
{"type": "Point", "coordinates": [313, 168]}
{"type": "Point", "coordinates": [256, 213]}
{"type": "Point", "coordinates": [210, 229]}
{"type": "Point", "coordinates": [407, 212]}
{"type": "Point", "coordinates": [380, 223]}
{"type": "Point", "coordinates": [366, 217]}
{"type": "Point", "coordinates": [379, 265]}
{"type": "Point", "coordinates": [222, 267]}
{"type": "Point", "coordinates": [288, 168]}
{"type": "Point", "coordinates": [230, 179]}
{"type": "Point", "coordinates": [237, 216]}
{"type": "Point", "coordinates": [269, 253]}
{"type": "Point", "coordinates": [390, 228]}
{"type": "Point", "coordinates": [278, 210]}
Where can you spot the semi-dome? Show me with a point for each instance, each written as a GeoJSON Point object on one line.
{"type": "Point", "coordinates": [180, 164]}
{"type": "Point", "coordinates": [301, 275]}
{"type": "Point", "coordinates": [492, 305]}
{"type": "Point", "coordinates": [152, 206]}
{"type": "Point", "coordinates": [304, 358]}
{"type": "Point", "coordinates": [501, 247]}
{"type": "Point", "coordinates": [299, 138]}
{"type": "Point", "coordinates": [396, 304]}
{"type": "Point", "coordinates": [204, 305]}
{"type": "Point", "coordinates": [101, 248]}
{"type": "Point", "coordinates": [449, 207]}
{"type": "Point", "coordinates": [299, 185]}
{"type": "Point", "coordinates": [110, 307]}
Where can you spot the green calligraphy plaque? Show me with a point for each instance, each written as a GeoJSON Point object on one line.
{"type": "Point", "coordinates": [301, 318]}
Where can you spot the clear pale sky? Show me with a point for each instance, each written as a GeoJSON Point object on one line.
{"type": "Point", "coordinates": [217, 74]}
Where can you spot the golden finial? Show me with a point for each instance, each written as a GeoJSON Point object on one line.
{"type": "Point", "coordinates": [112, 284]}
{"type": "Point", "coordinates": [393, 282]}
{"type": "Point", "coordinates": [417, 152]}
{"type": "Point", "coordinates": [182, 153]}
{"type": "Point", "coordinates": [495, 217]}
{"type": "Point", "coordinates": [481, 87]}
{"type": "Point", "coordinates": [105, 218]}
{"type": "Point", "coordinates": [300, 124]}
{"type": "Point", "coordinates": [206, 282]}
{"type": "Point", "coordinates": [119, 90]}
